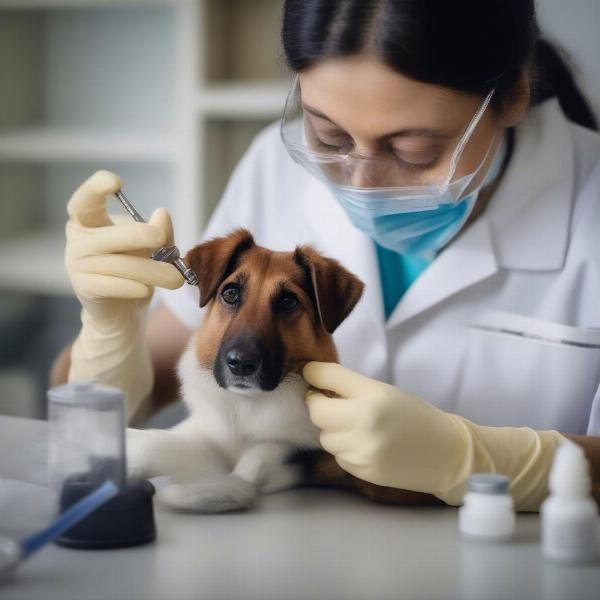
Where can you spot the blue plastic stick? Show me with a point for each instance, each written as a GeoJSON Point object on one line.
{"type": "Point", "coordinates": [81, 509]}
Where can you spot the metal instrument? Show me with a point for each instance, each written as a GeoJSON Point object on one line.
{"type": "Point", "coordinates": [168, 254]}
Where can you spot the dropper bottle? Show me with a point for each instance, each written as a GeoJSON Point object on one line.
{"type": "Point", "coordinates": [570, 524]}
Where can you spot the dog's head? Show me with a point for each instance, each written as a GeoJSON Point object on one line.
{"type": "Point", "coordinates": [268, 312]}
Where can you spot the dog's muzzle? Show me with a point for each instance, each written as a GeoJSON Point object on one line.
{"type": "Point", "coordinates": [243, 362]}
{"type": "Point", "coordinates": [245, 365]}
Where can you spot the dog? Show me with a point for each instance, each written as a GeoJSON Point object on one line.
{"type": "Point", "coordinates": [248, 432]}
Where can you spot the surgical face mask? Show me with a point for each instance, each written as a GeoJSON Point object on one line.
{"type": "Point", "coordinates": [422, 215]}
{"type": "Point", "coordinates": [410, 228]}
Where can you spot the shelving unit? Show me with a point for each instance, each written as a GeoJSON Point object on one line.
{"type": "Point", "coordinates": [167, 93]}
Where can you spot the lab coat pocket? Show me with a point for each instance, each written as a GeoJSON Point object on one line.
{"type": "Point", "coordinates": [521, 371]}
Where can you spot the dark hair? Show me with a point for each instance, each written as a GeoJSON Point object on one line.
{"type": "Point", "coordinates": [467, 45]}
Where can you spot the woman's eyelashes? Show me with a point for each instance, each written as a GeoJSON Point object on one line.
{"type": "Point", "coordinates": [340, 145]}
{"type": "Point", "coordinates": [425, 158]}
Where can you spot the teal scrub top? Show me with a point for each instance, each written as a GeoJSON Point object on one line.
{"type": "Point", "coordinates": [397, 272]}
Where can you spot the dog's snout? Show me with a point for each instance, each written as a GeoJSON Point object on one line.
{"type": "Point", "coordinates": [243, 361]}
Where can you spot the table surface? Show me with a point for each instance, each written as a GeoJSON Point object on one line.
{"type": "Point", "coordinates": [303, 543]}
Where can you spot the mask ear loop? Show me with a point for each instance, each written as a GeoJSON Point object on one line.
{"type": "Point", "coordinates": [463, 142]}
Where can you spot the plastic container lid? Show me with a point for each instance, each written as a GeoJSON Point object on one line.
{"type": "Point", "coordinates": [493, 484]}
{"type": "Point", "coordinates": [87, 393]}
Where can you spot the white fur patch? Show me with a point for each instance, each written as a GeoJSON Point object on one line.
{"type": "Point", "coordinates": [234, 420]}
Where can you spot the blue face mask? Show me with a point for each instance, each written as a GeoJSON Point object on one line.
{"type": "Point", "coordinates": [405, 226]}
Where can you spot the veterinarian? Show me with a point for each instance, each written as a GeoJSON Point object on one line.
{"type": "Point", "coordinates": [447, 158]}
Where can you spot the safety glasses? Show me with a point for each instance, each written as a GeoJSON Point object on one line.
{"type": "Point", "coordinates": [336, 166]}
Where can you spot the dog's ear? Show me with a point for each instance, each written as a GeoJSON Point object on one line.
{"type": "Point", "coordinates": [336, 290]}
{"type": "Point", "coordinates": [215, 259]}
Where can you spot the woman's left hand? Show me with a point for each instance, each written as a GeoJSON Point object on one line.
{"type": "Point", "coordinates": [383, 435]}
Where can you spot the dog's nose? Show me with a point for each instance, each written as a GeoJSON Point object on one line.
{"type": "Point", "coordinates": [242, 361]}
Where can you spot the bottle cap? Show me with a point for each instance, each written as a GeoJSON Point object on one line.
{"type": "Point", "coordinates": [488, 483]}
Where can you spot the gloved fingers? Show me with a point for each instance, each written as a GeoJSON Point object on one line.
{"type": "Point", "coordinates": [134, 268]}
{"type": "Point", "coordinates": [361, 471]}
{"type": "Point", "coordinates": [92, 286]}
{"type": "Point", "coordinates": [162, 219]}
{"type": "Point", "coordinates": [87, 205]}
{"type": "Point", "coordinates": [338, 379]}
{"type": "Point", "coordinates": [333, 414]}
{"type": "Point", "coordinates": [115, 238]}
{"type": "Point", "coordinates": [344, 449]}
{"type": "Point", "coordinates": [334, 442]}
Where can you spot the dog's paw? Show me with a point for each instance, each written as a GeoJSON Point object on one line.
{"type": "Point", "coordinates": [138, 454]}
{"type": "Point", "coordinates": [218, 493]}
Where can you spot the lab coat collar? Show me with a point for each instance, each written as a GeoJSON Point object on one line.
{"type": "Point", "coordinates": [530, 210]}
{"type": "Point", "coordinates": [468, 260]}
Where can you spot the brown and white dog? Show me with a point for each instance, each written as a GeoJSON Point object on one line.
{"type": "Point", "coordinates": [248, 431]}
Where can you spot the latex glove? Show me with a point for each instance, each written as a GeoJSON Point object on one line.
{"type": "Point", "coordinates": [385, 436]}
{"type": "Point", "coordinates": [113, 277]}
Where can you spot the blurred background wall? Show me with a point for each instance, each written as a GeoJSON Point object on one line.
{"type": "Point", "coordinates": [167, 93]}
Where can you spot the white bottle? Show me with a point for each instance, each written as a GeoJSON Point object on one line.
{"type": "Point", "coordinates": [487, 513]}
{"type": "Point", "coordinates": [570, 525]}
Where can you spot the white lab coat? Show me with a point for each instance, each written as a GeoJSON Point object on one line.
{"type": "Point", "coordinates": [533, 258]}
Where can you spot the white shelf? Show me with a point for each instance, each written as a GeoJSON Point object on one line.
{"type": "Point", "coordinates": [58, 4]}
{"type": "Point", "coordinates": [45, 144]}
{"type": "Point", "coordinates": [243, 100]}
{"type": "Point", "coordinates": [34, 262]}
{"type": "Point", "coordinates": [86, 91]}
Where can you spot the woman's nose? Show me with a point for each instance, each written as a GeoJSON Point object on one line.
{"type": "Point", "coordinates": [364, 174]}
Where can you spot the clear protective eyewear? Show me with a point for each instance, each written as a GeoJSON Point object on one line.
{"type": "Point", "coordinates": [388, 173]}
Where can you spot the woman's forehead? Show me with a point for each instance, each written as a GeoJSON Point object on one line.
{"type": "Point", "coordinates": [366, 94]}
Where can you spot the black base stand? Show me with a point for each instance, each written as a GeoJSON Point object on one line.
{"type": "Point", "coordinates": [125, 520]}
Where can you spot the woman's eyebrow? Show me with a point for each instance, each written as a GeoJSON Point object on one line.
{"type": "Point", "coordinates": [410, 132]}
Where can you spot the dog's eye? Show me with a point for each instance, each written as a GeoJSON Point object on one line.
{"type": "Point", "coordinates": [287, 302]}
{"type": "Point", "coordinates": [231, 294]}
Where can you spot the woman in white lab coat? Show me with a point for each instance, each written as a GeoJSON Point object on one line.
{"type": "Point", "coordinates": [445, 156]}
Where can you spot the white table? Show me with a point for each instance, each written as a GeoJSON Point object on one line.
{"type": "Point", "coordinates": [310, 543]}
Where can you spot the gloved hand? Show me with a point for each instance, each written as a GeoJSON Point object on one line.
{"type": "Point", "coordinates": [380, 434]}
{"type": "Point", "coordinates": [113, 277]}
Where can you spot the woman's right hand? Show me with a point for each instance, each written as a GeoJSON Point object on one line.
{"type": "Point", "coordinates": [109, 264]}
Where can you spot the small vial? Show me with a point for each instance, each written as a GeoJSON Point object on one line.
{"type": "Point", "coordinates": [569, 515]}
{"type": "Point", "coordinates": [487, 512]}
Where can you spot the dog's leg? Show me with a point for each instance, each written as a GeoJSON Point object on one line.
{"type": "Point", "coordinates": [156, 452]}
{"type": "Point", "coordinates": [217, 493]}
{"type": "Point", "coordinates": [150, 452]}
{"type": "Point", "coordinates": [264, 465]}
{"type": "Point", "coordinates": [320, 469]}
{"type": "Point", "coordinates": [204, 481]}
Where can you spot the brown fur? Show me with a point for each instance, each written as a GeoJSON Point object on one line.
{"type": "Point", "coordinates": [327, 293]}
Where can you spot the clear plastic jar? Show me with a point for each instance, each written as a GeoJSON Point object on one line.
{"type": "Point", "coordinates": [87, 433]}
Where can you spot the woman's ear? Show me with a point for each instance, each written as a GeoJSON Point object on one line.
{"type": "Point", "coordinates": [514, 107]}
